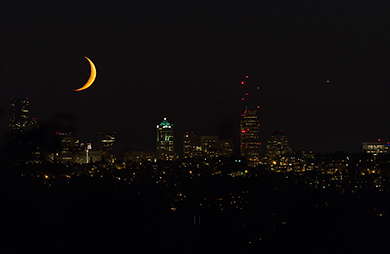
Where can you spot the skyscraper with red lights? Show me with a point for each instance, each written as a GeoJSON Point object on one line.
{"type": "Point", "coordinates": [250, 142]}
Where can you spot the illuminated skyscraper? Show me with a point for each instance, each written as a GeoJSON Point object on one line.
{"type": "Point", "coordinates": [106, 145]}
{"type": "Point", "coordinates": [189, 145]}
{"type": "Point", "coordinates": [106, 142]}
{"type": "Point", "coordinates": [65, 154]}
{"type": "Point", "coordinates": [19, 116]}
{"type": "Point", "coordinates": [250, 142]}
{"type": "Point", "coordinates": [165, 145]}
{"type": "Point", "coordinates": [278, 144]}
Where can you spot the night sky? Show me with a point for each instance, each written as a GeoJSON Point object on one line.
{"type": "Point", "coordinates": [185, 60]}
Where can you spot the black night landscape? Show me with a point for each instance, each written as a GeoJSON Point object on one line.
{"type": "Point", "coordinates": [195, 126]}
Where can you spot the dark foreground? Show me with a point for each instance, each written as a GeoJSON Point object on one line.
{"type": "Point", "coordinates": [267, 212]}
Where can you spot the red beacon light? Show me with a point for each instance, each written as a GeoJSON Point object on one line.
{"type": "Point", "coordinates": [242, 82]}
{"type": "Point", "coordinates": [379, 139]}
{"type": "Point", "coordinates": [246, 77]}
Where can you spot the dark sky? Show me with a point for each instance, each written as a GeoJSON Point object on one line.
{"type": "Point", "coordinates": [185, 60]}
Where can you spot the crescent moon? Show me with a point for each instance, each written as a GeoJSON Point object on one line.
{"type": "Point", "coordinates": [92, 77]}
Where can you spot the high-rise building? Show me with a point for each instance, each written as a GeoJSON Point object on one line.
{"type": "Point", "coordinates": [189, 145]}
{"type": "Point", "coordinates": [19, 116]}
{"type": "Point", "coordinates": [165, 145]}
{"type": "Point", "coordinates": [65, 154]}
{"type": "Point", "coordinates": [106, 145]}
{"type": "Point", "coordinates": [106, 142]}
{"type": "Point", "coordinates": [250, 141]}
{"type": "Point", "coordinates": [278, 144]}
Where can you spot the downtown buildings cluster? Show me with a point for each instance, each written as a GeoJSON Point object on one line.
{"type": "Point", "coordinates": [70, 149]}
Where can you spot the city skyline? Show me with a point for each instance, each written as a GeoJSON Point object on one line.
{"type": "Point", "coordinates": [321, 69]}
{"type": "Point", "coordinates": [30, 122]}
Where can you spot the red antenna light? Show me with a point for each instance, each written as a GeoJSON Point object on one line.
{"type": "Point", "coordinates": [379, 139]}
{"type": "Point", "coordinates": [258, 87]}
{"type": "Point", "coordinates": [242, 98]}
{"type": "Point", "coordinates": [242, 82]}
{"type": "Point", "coordinates": [246, 76]}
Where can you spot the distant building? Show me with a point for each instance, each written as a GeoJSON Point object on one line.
{"type": "Point", "coordinates": [87, 156]}
{"type": "Point", "coordinates": [165, 144]}
{"type": "Point", "coordinates": [226, 147]}
{"type": "Point", "coordinates": [19, 116]}
{"type": "Point", "coordinates": [250, 140]}
{"type": "Point", "coordinates": [278, 144]}
{"type": "Point", "coordinates": [65, 154]}
{"type": "Point", "coordinates": [375, 148]}
{"type": "Point", "coordinates": [106, 142]}
{"type": "Point", "coordinates": [189, 145]}
{"type": "Point", "coordinates": [139, 156]}
{"type": "Point", "coordinates": [213, 147]}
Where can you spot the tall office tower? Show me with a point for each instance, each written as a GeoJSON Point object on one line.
{"type": "Point", "coordinates": [250, 141]}
{"type": "Point", "coordinates": [278, 144]}
{"type": "Point", "coordinates": [189, 145]}
{"type": "Point", "coordinates": [106, 142]}
{"type": "Point", "coordinates": [65, 154]}
{"type": "Point", "coordinates": [19, 116]}
{"type": "Point", "coordinates": [165, 144]}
